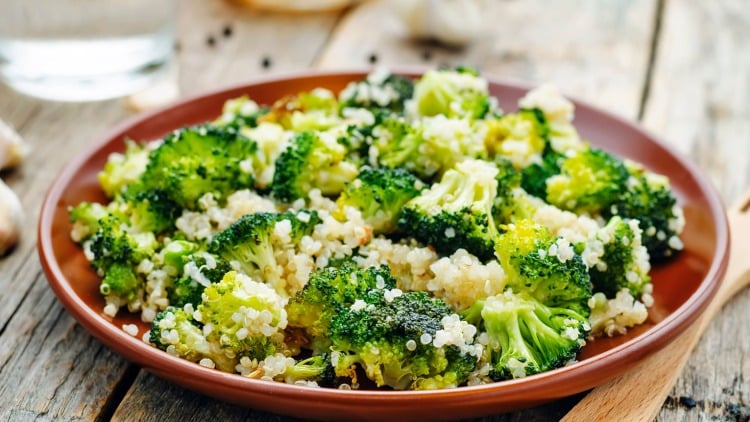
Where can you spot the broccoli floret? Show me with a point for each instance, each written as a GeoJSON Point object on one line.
{"type": "Point", "coordinates": [246, 317]}
{"type": "Point", "coordinates": [524, 336]}
{"type": "Point", "coordinates": [396, 143]}
{"type": "Point", "coordinates": [380, 90]}
{"type": "Point", "coordinates": [112, 243]}
{"type": "Point", "coordinates": [85, 218]}
{"type": "Point", "coordinates": [151, 210]}
{"type": "Point", "coordinates": [457, 211]}
{"type": "Point", "coordinates": [123, 169]}
{"type": "Point", "coordinates": [458, 93]}
{"type": "Point", "coordinates": [120, 281]}
{"type": "Point", "coordinates": [195, 271]}
{"type": "Point", "coordinates": [399, 340]}
{"type": "Point", "coordinates": [649, 199]}
{"type": "Point", "coordinates": [624, 262]}
{"type": "Point", "coordinates": [175, 329]}
{"type": "Point", "coordinates": [534, 177]}
{"type": "Point", "coordinates": [315, 368]}
{"type": "Point", "coordinates": [272, 140]}
{"type": "Point", "coordinates": [312, 160]}
{"type": "Point", "coordinates": [545, 267]}
{"type": "Point", "coordinates": [240, 113]}
{"type": "Point", "coordinates": [521, 137]}
{"type": "Point", "coordinates": [306, 111]}
{"type": "Point", "coordinates": [195, 161]}
{"type": "Point", "coordinates": [588, 181]}
{"type": "Point", "coordinates": [328, 291]}
{"type": "Point", "coordinates": [252, 240]}
{"type": "Point", "coordinates": [380, 193]}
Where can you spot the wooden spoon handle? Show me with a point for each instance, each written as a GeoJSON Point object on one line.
{"type": "Point", "coordinates": [639, 394]}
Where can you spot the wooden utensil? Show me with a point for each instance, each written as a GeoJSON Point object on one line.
{"type": "Point", "coordinates": [640, 393]}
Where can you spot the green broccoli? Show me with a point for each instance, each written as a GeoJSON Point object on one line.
{"type": "Point", "coordinates": [380, 90]}
{"type": "Point", "coordinates": [624, 262]}
{"type": "Point", "coordinates": [312, 160]}
{"type": "Point", "coordinates": [151, 210]}
{"type": "Point", "coordinates": [124, 169]}
{"type": "Point", "coordinates": [246, 317]}
{"type": "Point", "coordinates": [400, 340]}
{"type": "Point", "coordinates": [534, 176]}
{"type": "Point", "coordinates": [649, 199]}
{"type": "Point", "coordinates": [397, 143]}
{"type": "Point", "coordinates": [195, 271]}
{"type": "Point", "coordinates": [195, 161]}
{"type": "Point", "coordinates": [316, 368]}
{"type": "Point", "coordinates": [588, 181]}
{"type": "Point", "coordinates": [457, 211]}
{"type": "Point", "coordinates": [252, 240]}
{"type": "Point", "coordinates": [328, 291]}
{"type": "Point", "coordinates": [525, 337]}
{"type": "Point", "coordinates": [452, 93]}
{"type": "Point", "coordinates": [545, 267]}
{"type": "Point", "coordinates": [307, 111]}
{"type": "Point", "coordinates": [240, 113]}
{"type": "Point", "coordinates": [176, 331]}
{"type": "Point", "coordinates": [521, 137]}
{"type": "Point", "coordinates": [85, 218]}
{"type": "Point", "coordinates": [380, 193]}
{"type": "Point", "coordinates": [116, 253]}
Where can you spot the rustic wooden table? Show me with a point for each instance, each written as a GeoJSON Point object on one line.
{"type": "Point", "coordinates": [680, 67]}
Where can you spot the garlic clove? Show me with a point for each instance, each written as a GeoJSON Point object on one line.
{"type": "Point", "coordinates": [11, 218]}
{"type": "Point", "coordinates": [13, 149]}
{"type": "Point", "coordinates": [451, 22]}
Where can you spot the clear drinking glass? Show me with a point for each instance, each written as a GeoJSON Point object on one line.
{"type": "Point", "coordinates": [78, 50]}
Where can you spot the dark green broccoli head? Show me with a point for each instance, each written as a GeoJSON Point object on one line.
{"type": "Point", "coordinates": [113, 244]}
{"type": "Point", "coordinates": [526, 337]}
{"type": "Point", "coordinates": [380, 193]}
{"type": "Point", "coordinates": [545, 267]}
{"type": "Point", "coordinates": [252, 239]}
{"type": "Point", "coordinates": [589, 181]}
{"type": "Point", "coordinates": [453, 93]}
{"type": "Point", "coordinates": [457, 211]}
{"type": "Point", "coordinates": [151, 210]}
{"type": "Point", "coordinates": [195, 161]}
{"type": "Point", "coordinates": [312, 160]}
{"type": "Point", "coordinates": [175, 329]}
{"type": "Point", "coordinates": [649, 199]}
{"type": "Point", "coordinates": [624, 263]}
{"type": "Point", "coordinates": [121, 281]}
{"type": "Point", "coordinates": [328, 291]}
{"type": "Point", "coordinates": [246, 316]}
{"type": "Point", "coordinates": [534, 177]}
{"type": "Point", "coordinates": [395, 338]}
{"type": "Point", "coordinates": [378, 91]}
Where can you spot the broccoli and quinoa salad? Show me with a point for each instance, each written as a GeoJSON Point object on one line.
{"type": "Point", "coordinates": [401, 233]}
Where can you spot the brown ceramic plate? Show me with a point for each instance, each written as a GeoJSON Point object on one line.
{"type": "Point", "coordinates": [682, 287]}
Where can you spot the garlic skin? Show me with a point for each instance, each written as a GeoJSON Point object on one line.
{"type": "Point", "coordinates": [452, 22]}
{"type": "Point", "coordinates": [11, 218]}
{"type": "Point", "coordinates": [13, 149]}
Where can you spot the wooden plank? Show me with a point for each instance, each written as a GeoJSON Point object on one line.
{"type": "Point", "coordinates": [700, 103]}
{"type": "Point", "coordinates": [597, 51]}
{"type": "Point", "coordinates": [289, 42]}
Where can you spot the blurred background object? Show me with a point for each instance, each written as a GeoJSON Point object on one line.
{"type": "Point", "coordinates": [297, 6]}
{"type": "Point", "coordinates": [75, 50]}
{"type": "Point", "coordinates": [451, 22]}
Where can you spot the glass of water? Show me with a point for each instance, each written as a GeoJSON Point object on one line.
{"type": "Point", "coordinates": [81, 50]}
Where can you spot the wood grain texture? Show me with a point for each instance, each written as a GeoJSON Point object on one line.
{"type": "Point", "coordinates": [597, 51]}
{"type": "Point", "coordinates": [287, 42]}
{"type": "Point", "coordinates": [700, 103]}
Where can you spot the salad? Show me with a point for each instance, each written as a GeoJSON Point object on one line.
{"type": "Point", "coordinates": [404, 234]}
